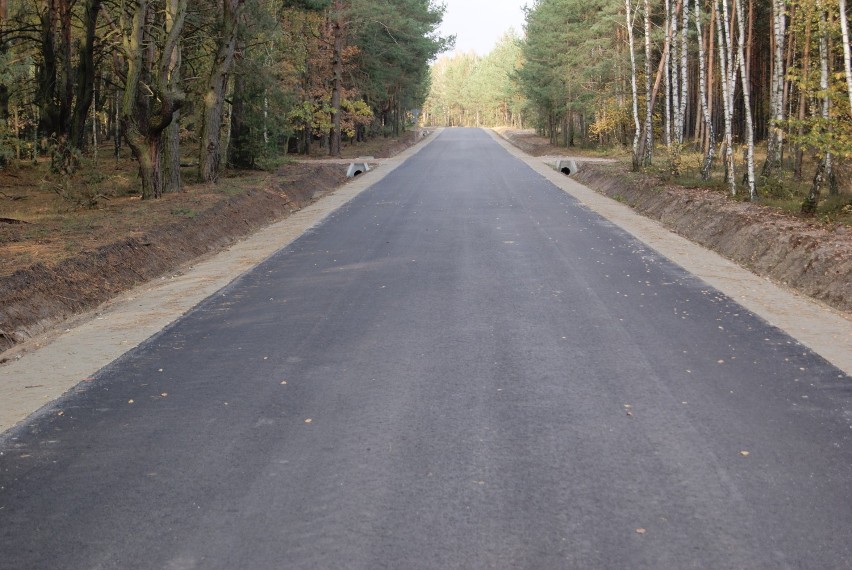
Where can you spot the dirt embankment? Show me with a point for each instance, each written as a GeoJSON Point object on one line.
{"type": "Point", "coordinates": [810, 257]}
{"type": "Point", "coordinates": [37, 298]}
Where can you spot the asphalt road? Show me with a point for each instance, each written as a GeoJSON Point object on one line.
{"type": "Point", "coordinates": [462, 368]}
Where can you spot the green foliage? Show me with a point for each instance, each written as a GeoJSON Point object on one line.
{"type": "Point", "coordinates": [477, 91]}
{"type": "Point", "coordinates": [307, 4]}
{"type": "Point", "coordinates": [572, 60]}
{"type": "Point", "coordinates": [187, 213]}
{"type": "Point", "coordinates": [396, 40]}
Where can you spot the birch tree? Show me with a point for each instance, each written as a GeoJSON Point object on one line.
{"type": "Point", "coordinates": [703, 97]}
{"type": "Point", "coordinates": [635, 101]}
{"type": "Point", "coordinates": [746, 82]}
{"type": "Point", "coordinates": [775, 143]}
{"type": "Point", "coordinates": [847, 56]}
{"type": "Point", "coordinates": [667, 121]}
{"type": "Point", "coordinates": [684, 71]}
{"type": "Point", "coordinates": [647, 145]}
{"type": "Point", "coordinates": [727, 75]}
{"type": "Point", "coordinates": [823, 174]}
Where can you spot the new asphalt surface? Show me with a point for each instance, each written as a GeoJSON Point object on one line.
{"type": "Point", "coordinates": [462, 368]}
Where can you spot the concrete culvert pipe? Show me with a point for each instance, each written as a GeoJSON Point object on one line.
{"type": "Point", "coordinates": [567, 166]}
{"type": "Point", "coordinates": [357, 168]}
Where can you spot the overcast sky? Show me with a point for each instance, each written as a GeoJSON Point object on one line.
{"type": "Point", "coordinates": [478, 24]}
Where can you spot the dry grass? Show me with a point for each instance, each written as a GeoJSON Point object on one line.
{"type": "Point", "coordinates": [54, 227]}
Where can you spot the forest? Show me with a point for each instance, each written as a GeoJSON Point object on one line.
{"type": "Point", "coordinates": [211, 83]}
{"type": "Point", "coordinates": [756, 94]}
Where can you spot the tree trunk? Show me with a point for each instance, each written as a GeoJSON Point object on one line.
{"type": "Point", "coordinates": [171, 136]}
{"type": "Point", "coordinates": [746, 82]}
{"type": "Point", "coordinates": [647, 144]}
{"type": "Point", "coordinates": [809, 206]}
{"type": "Point", "coordinates": [670, 21]}
{"type": "Point", "coordinates": [338, 33]}
{"type": "Point", "coordinates": [638, 132]}
{"type": "Point", "coordinates": [65, 85]}
{"type": "Point", "coordinates": [847, 56]}
{"type": "Point", "coordinates": [775, 144]}
{"type": "Point", "coordinates": [149, 104]}
{"type": "Point", "coordinates": [803, 99]}
{"type": "Point", "coordinates": [824, 168]}
{"type": "Point", "coordinates": [240, 154]}
{"type": "Point", "coordinates": [826, 52]}
{"type": "Point", "coordinates": [727, 75]}
{"type": "Point", "coordinates": [46, 72]}
{"type": "Point", "coordinates": [711, 71]}
{"type": "Point", "coordinates": [5, 94]}
{"type": "Point", "coordinates": [684, 76]}
{"type": "Point", "coordinates": [85, 74]}
{"type": "Point", "coordinates": [214, 98]}
{"type": "Point", "coordinates": [703, 96]}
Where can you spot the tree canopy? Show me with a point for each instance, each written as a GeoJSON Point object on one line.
{"type": "Point", "coordinates": [718, 77]}
{"type": "Point", "coordinates": [244, 80]}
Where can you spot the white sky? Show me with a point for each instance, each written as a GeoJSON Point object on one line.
{"type": "Point", "coordinates": [478, 24]}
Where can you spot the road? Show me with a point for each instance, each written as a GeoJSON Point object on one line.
{"type": "Point", "coordinates": [461, 368]}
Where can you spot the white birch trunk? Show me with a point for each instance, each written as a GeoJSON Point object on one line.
{"type": "Point", "coordinates": [823, 171]}
{"type": "Point", "coordinates": [668, 75]}
{"type": "Point", "coordinates": [752, 193]}
{"type": "Point", "coordinates": [825, 110]}
{"type": "Point", "coordinates": [703, 97]}
{"type": "Point", "coordinates": [847, 56]}
{"type": "Point", "coordinates": [630, 41]}
{"type": "Point", "coordinates": [775, 143]}
{"type": "Point", "coordinates": [649, 111]}
{"type": "Point", "coordinates": [684, 72]}
{"type": "Point", "coordinates": [725, 49]}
